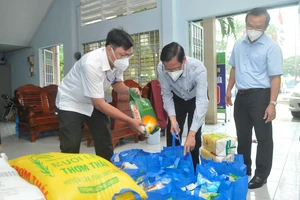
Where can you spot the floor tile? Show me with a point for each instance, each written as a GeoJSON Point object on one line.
{"type": "Point", "coordinates": [291, 165]}
{"type": "Point", "coordinates": [287, 192]}
{"type": "Point", "coordinates": [252, 197]}
{"type": "Point", "coordinates": [266, 191]}
{"type": "Point", "coordinates": [290, 177]}
{"type": "Point", "coordinates": [283, 182]}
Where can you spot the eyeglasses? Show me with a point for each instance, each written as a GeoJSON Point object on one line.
{"type": "Point", "coordinates": [257, 29]}
{"type": "Point", "coordinates": [127, 56]}
{"type": "Point", "coordinates": [114, 79]}
{"type": "Point", "coordinates": [123, 57]}
{"type": "Point", "coordinates": [174, 69]}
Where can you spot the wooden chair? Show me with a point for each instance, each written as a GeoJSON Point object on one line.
{"type": "Point", "coordinates": [36, 109]}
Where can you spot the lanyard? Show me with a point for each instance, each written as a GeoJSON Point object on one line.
{"type": "Point", "coordinates": [114, 79]}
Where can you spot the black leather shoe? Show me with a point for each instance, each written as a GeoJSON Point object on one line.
{"type": "Point", "coordinates": [256, 182]}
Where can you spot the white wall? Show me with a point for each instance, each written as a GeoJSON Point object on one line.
{"type": "Point", "coordinates": [62, 26]}
{"type": "Point", "coordinates": [58, 27]}
{"type": "Point", "coordinates": [189, 10]}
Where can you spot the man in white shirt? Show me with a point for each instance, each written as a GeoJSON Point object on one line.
{"type": "Point", "coordinates": [80, 96]}
{"type": "Point", "coordinates": [183, 83]}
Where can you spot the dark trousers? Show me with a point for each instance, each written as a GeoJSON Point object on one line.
{"type": "Point", "coordinates": [249, 110]}
{"type": "Point", "coordinates": [71, 125]}
{"type": "Point", "coordinates": [182, 108]}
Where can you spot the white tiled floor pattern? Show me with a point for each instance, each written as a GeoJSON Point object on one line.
{"type": "Point", "coordinates": [283, 183]}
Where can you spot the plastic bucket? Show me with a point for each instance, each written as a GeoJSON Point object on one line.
{"type": "Point", "coordinates": [154, 138]}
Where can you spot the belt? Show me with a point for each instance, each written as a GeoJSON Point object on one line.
{"type": "Point", "coordinates": [251, 90]}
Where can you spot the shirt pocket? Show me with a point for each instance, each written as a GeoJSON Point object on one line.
{"type": "Point", "coordinates": [257, 62]}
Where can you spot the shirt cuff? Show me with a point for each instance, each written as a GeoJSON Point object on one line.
{"type": "Point", "coordinates": [171, 112]}
{"type": "Point", "coordinates": [195, 126]}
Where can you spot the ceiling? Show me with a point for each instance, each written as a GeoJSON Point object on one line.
{"type": "Point", "coordinates": [19, 20]}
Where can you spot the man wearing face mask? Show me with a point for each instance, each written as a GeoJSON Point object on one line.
{"type": "Point", "coordinates": [183, 83]}
{"type": "Point", "coordinates": [80, 96]}
{"type": "Point", "coordinates": [256, 62]}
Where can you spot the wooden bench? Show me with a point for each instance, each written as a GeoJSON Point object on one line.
{"type": "Point", "coordinates": [37, 112]}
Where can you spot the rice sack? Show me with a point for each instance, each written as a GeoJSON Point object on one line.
{"type": "Point", "coordinates": [219, 144]}
{"type": "Point", "coordinates": [142, 109]}
{"type": "Point", "coordinates": [63, 176]}
{"type": "Point", "coordinates": [207, 155]}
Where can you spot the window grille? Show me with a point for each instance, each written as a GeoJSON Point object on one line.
{"type": "Point", "coordinates": [143, 65]}
{"type": "Point", "coordinates": [49, 67]}
{"type": "Point", "coordinates": [93, 11]}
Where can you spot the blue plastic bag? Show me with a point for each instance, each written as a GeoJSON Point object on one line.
{"type": "Point", "coordinates": [173, 157]}
{"type": "Point", "coordinates": [220, 171]}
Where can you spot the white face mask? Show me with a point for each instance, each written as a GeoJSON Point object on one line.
{"type": "Point", "coordinates": [254, 34]}
{"type": "Point", "coordinates": [122, 63]}
{"type": "Point", "coordinates": [175, 75]}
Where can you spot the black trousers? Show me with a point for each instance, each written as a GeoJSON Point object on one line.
{"type": "Point", "coordinates": [182, 108]}
{"type": "Point", "coordinates": [71, 125]}
{"type": "Point", "coordinates": [249, 110]}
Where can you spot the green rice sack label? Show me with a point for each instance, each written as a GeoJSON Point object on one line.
{"type": "Point", "coordinates": [142, 109]}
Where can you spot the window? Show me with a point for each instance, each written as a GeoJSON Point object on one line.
{"type": "Point", "coordinates": [52, 65]}
{"type": "Point", "coordinates": [93, 11]}
{"type": "Point", "coordinates": [143, 65]}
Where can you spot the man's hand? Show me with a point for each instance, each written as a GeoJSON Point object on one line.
{"type": "Point", "coordinates": [228, 101]}
{"type": "Point", "coordinates": [175, 128]}
{"type": "Point", "coordinates": [137, 91]}
{"type": "Point", "coordinates": [136, 126]}
{"type": "Point", "coordinates": [270, 113]}
{"type": "Point", "coordinates": [190, 142]}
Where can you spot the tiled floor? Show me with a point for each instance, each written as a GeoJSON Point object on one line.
{"type": "Point", "coordinates": [283, 183]}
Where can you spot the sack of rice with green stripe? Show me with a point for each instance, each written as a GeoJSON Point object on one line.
{"type": "Point", "coordinates": [219, 144]}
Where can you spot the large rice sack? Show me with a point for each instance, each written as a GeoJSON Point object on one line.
{"type": "Point", "coordinates": [13, 187]}
{"type": "Point", "coordinates": [207, 155]}
{"type": "Point", "coordinates": [219, 144]}
{"type": "Point", "coordinates": [142, 109]}
{"type": "Point", "coordinates": [76, 177]}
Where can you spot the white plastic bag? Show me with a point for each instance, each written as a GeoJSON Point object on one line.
{"type": "Point", "coordinates": [13, 187]}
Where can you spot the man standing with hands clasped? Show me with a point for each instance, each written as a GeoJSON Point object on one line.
{"type": "Point", "coordinates": [256, 62]}
{"type": "Point", "coordinates": [183, 83]}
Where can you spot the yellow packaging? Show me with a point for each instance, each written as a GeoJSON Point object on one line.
{"type": "Point", "coordinates": [207, 155]}
{"type": "Point", "coordinates": [142, 109]}
{"type": "Point", "coordinates": [219, 144]}
{"type": "Point", "coordinates": [75, 176]}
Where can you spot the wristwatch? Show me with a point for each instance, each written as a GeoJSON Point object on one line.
{"type": "Point", "coordinates": [274, 103]}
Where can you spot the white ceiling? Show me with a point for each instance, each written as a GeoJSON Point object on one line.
{"type": "Point", "coordinates": [19, 20]}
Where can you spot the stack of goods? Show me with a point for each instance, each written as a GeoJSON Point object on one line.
{"type": "Point", "coordinates": [220, 147]}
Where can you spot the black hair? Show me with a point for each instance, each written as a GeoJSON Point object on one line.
{"type": "Point", "coordinates": [77, 55]}
{"type": "Point", "coordinates": [119, 38]}
{"type": "Point", "coordinates": [170, 51]}
{"type": "Point", "coordinates": [258, 12]}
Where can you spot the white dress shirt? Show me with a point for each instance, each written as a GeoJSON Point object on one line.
{"type": "Point", "coordinates": [89, 78]}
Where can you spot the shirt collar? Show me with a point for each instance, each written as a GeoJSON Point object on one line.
{"type": "Point", "coordinates": [184, 74]}
{"type": "Point", "coordinates": [261, 40]}
{"type": "Point", "coordinates": [105, 66]}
